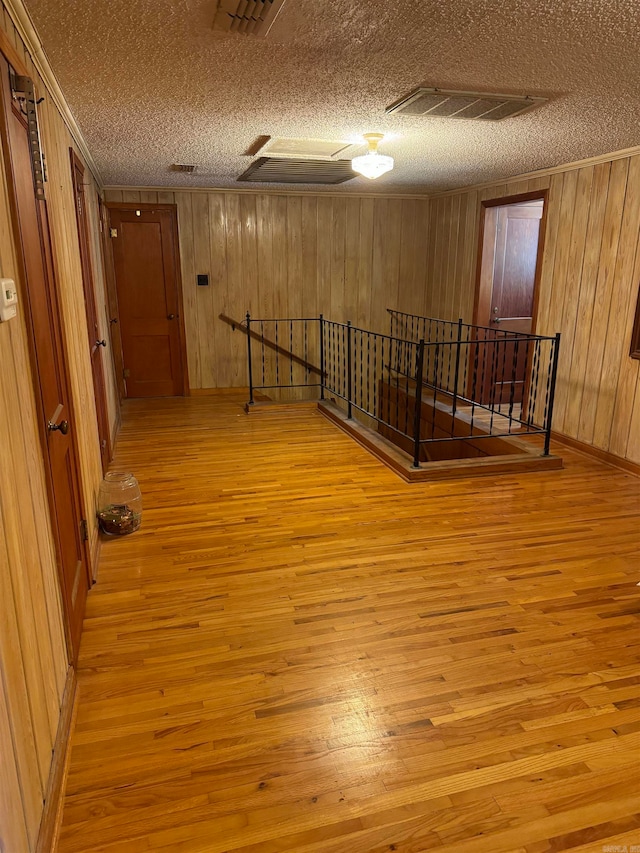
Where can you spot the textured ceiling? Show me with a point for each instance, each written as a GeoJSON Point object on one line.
{"type": "Point", "coordinates": [150, 83]}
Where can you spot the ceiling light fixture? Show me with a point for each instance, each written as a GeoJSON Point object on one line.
{"type": "Point", "coordinates": [372, 165]}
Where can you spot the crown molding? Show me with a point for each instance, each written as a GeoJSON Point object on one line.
{"type": "Point", "coordinates": [508, 179]}
{"type": "Point", "coordinates": [259, 191]}
{"type": "Point", "coordinates": [542, 173]}
{"type": "Point", "coordinates": [27, 32]}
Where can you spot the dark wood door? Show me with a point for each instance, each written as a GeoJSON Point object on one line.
{"type": "Point", "coordinates": [96, 342]}
{"type": "Point", "coordinates": [510, 262]}
{"type": "Point", "coordinates": [514, 267]}
{"type": "Point", "coordinates": [49, 367]}
{"type": "Point", "coordinates": [145, 253]}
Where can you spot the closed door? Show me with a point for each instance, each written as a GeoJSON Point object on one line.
{"type": "Point", "coordinates": [509, 266]}
{"type": "Point", "coordinates": [57, 425]}
{"type": "Point", "coordinates": [145, 254]}
{"type": "Point", "coordinates": [96, 342]}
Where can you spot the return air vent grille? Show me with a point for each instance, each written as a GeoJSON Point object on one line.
{"type": "Point", "coordinates": [477, 106]}
{"type": "Point", "coordinates": [246, 17]}
{"type": "Point", "coordinates": [276, 170]}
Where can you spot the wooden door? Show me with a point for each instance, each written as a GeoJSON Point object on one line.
{"type": "Point", "coordinates": [42, 313]}
{"type": "Point", "coordinates": [506, 299]}
{"type": "Point", "coordinates": [96, 341]}
{"type": "Point", "coordinates": [145, 253]}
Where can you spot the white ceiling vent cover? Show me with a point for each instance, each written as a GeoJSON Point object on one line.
{"type": "Point", "coordinates": [476, 106]}
{"type": "Point", "coordinates": [277, 170]}
{"type": "Point", "coordinates": [247, 17]}
{"type": "Point", "coordinates": [312, 149]}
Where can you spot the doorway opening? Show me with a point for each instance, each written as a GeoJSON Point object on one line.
{"type": "Point", "coordinates": [510, 262]}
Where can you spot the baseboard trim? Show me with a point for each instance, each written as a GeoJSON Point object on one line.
{"type": "Point", "coordinates": [219, 392]}
{"type": "Point", "coordinates": [596, 453]}
{"type": "Point", "coordinates": [54, 797]}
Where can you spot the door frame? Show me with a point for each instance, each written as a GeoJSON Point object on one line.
{"type": "Point", "coordinates": [51, 273]}
{"type": "Point", "coordinates": [112, 295]}
{"type": "Point", "coordinates": [482, 291]}
{"type": "Point", "coordinates": [91, 310]}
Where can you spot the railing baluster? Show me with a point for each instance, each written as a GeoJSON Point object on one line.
{"type": "Point", "coordinates": [456, 376]}
{"type": "Point", "coordinates": [249, 358]}
{"type": "Point", "coordinates": [322, 378]}
{"type": "Point", "coordinates": [551, 385]}
{"type": "Point", "coordinates": [417, 417]}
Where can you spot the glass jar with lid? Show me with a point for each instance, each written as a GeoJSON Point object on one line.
{"type": "Point", "coordinates": [119, 504]}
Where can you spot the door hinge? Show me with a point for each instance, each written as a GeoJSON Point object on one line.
{"type": "Point", "coordinates": [113, 232]}
{"type": "Point", "coordinates": [84, 530]}
{"type": "Point", "coordinates": [126, 373]}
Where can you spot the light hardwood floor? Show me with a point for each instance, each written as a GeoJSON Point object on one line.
{"type": "Point", "coordinates": [300, 652]}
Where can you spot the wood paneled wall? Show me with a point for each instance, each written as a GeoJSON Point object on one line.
{"type": "Point", "coordinates": [588, 290]}
{"type": "Point", "coordinates": [33, 657]}
{"type": "Point", "coordinates": [349, 258]}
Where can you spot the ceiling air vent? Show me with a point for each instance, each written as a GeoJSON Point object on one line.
{"type": "Point", "coordinates": [247, 17]}
{"type": "Point", "coordinates": [477, 106]}
{"type": "Point", "coordinates": [183, 167]}
{"type": "Point", "coordinates": [307, 149]}
{"type": "Point", "coordinates": [275, 170]}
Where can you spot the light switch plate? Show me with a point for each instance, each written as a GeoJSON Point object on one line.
{"type": "Point", "coordinates": [8, 299]}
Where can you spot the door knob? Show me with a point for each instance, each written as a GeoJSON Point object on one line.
{"type": "Point", "coordinates": [62, 427]}
{"type": "Point", "coordinates": [171, 316]}
{"type": "Point", "coordinates": [101, 343]}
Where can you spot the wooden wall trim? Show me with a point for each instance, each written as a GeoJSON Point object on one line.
{"type": "Point", "coordinates": [595, 452]}
{"type": "Point", "coordinates": [497, 182]}
{"type": "Point", "coordinates": [54, 796]}
{"type": "Point", "coordinates": [540, 173]}
{"type": "Point", "coordinates": [263, 191]}
{"type": "Point", "coordinates": [24, 25]}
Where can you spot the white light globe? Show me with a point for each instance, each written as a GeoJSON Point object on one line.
{"type": "Point", "coordinates": [372, 165]}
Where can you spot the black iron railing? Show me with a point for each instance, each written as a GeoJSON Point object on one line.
{"type": "Point", "coordinates": [464, 382]}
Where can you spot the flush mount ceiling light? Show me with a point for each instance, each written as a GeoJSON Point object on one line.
{"type": "Point", "coordinates": [372, 165]}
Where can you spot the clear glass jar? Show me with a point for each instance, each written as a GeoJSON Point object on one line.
{"type": "Point", "coordinates": [119, 504]}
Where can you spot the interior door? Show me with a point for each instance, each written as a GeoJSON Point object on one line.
{"type": "Point", "coordinates": [510, 262]}
{"type": "Point", "coordinates": [48, 359]}
{"type": "Point", "coordinates": [145, 254]}
{"type": "Point", "coordinates": [96, 341]}
{"type": "Point", "coordinates": [514, 268]}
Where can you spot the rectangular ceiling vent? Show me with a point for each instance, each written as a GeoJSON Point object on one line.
{"type": "Point", "coordinates": [188, 168]}
{"type": "Point", "coordinates": [246, 17]}
{"type": "Point", "coordinates": [476, 106]}
{"type": "Point", "coordinates": [275, 170]}
{"type": "Point", "coordinates": [308, 149]}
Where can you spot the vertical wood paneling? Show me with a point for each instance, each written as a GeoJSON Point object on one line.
{"type": "Point", "coordinates": [33, 656]}
{"type": "Point", "coordinates": [585, 300]}
{"type": "Point", "coordinates": [604, 284]}
{"type": "Point", "coordinates": [351, 258]}
{"type": "Point", "coordinates": [588, 290]}
{"type": "Point", "coordinates": [276, 255]}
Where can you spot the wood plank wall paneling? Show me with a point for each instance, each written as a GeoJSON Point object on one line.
{"type": "Point", "coordinates": [33, 657]}
{"type": "Point", "coordinates": [588, 290]}
{"type": "Point", "coordinates": [351, 258]}
{"type": "Point", "coordinates": [290, 256]}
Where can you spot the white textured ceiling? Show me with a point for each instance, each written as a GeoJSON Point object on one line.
{"type": "Point", "coordinates": [150, 83]}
